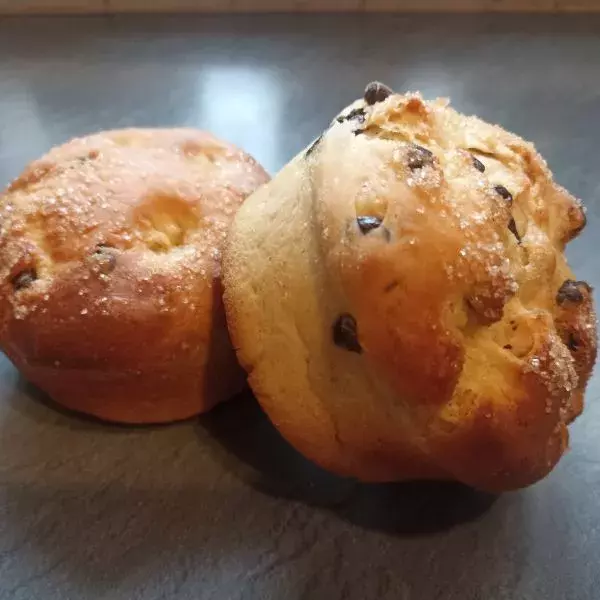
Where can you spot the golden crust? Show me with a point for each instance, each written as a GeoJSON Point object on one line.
{"type": "Point", "coordinates": [440, 239]}
{"type": "Point", "coordinates": [110, 272]}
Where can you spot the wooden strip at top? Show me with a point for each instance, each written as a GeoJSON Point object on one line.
{"type": "Point", "coordinates": [52, 6]}
{"type": "Point", "coordinates": [234, 6]}
{"type": "Point", "coordinates": [462, 5]}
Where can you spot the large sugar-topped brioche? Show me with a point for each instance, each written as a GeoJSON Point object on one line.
{"type": "Point", "coordinates": [401, 300]}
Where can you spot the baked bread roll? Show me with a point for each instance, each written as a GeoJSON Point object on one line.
{"type": "Point", "coordinates": [110, 295]}
{"type": "Point", "coordinates": [401, 301]}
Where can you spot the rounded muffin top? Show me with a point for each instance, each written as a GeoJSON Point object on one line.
{"type": "Point", "coordinates": [118, 235]}
{"type": "Point", "coordinates": [446, 236]}
{"type": "Point", "coordinates": [152, 201]}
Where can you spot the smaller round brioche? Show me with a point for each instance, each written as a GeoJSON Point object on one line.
{"type": "Point", "coordinates": [400, 298]}
{"type": "Point", "coordinates": [110, 293]}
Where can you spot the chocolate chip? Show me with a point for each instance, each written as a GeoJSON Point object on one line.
{"type": "Point", "coordinates": [357, 113]}
{"type": "Point", "coordinates": [570, 291]}
{"type": "Point", "coordinates": [418, 157]}
{"type": "Point", "coordinates": [104, 259]}
{"type": "Point", "coordinates": [313, 146]}
{"type": "Point", "coordinates": [391, 286]}
{"type": "Point", "coordinates": [502, 191]}
{"type": "Point", "coordinates": [512, 227]}
{"type": "Point", "coordinates": [344, 333]}
{"type": "Point", "coordinates": [367, 224]}
{"type": "Point", "coordinates": [572, 342]}
{"type": "Point", "coordinates": [24, 279]}
{"type": "Point", "coordinates": [376, 92]}
{"type": "Point", "coordinates": [478, 164]}
{"type": "Point", "coordinates": [508, 347]}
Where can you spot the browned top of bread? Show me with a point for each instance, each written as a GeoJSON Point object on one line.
{"type": "Point", "coordinates": [456, 340]}
{"type": "Point", "coordinates": [463, 308]}
{"type": "Point", "coordinates": [109, 250]}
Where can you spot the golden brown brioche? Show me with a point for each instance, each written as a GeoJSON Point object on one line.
{"type": "Point", "coordinates": [110, 295]}
{"type": "Point", "coordinates": [400, 298]}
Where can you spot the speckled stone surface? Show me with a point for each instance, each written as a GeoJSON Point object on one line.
{"type": "Point", "coordinates": [221, 507]}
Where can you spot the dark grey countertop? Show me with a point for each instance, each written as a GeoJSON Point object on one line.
{"type": "Point", "coordinates": [221, 507]}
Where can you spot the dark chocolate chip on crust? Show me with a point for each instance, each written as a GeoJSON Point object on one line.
{"type": "Point", "coordinates": [355, 114]}
{"type": "Point", "coordinates": [24, 279]}
{"type": "Point", "coordinates": [572, 342]}
{"type": "Point", "coordinates": [344, 333]}
{"type": "Point", "coordinates": [478, 164]}
{"type": "Point", "coordinates": [512, 227]}
{"type": "Point", "coordinates": [376, 92]}
{"type": "Point", "coordinates": [313, 146]}
{"type": "Point", "coordinates": [367, 224]}
{"type": "Point", "coordinates": [418, 157]}
{"type": "Point", "coordinates": [504, 193]}
{"type": "Point", "coordinates": [570, 291]}
{"type": "Point", "coordinates": [104, 259]}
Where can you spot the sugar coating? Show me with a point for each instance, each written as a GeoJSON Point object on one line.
{"type": "Point", "coordinates": [121, 232]}
{"type": "Point", "coordinates": [441, 239]}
